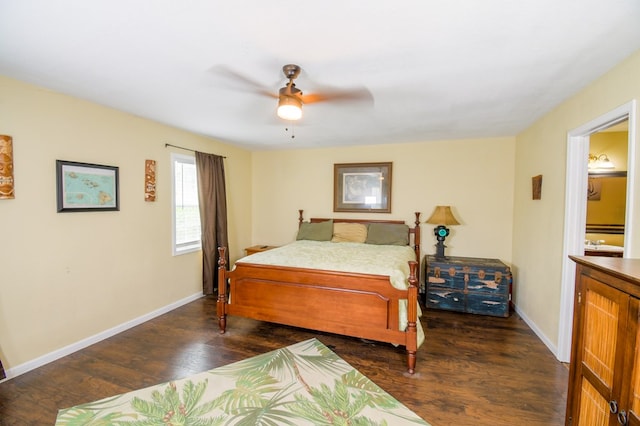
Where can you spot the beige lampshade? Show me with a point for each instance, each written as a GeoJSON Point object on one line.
{"type": "Point", "coordinates": [442, 215]}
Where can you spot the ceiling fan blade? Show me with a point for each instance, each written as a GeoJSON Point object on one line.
{"type": "Point", "coordinates": [245, 81]}
{"type": "Point", "coordinates": [351, 95]}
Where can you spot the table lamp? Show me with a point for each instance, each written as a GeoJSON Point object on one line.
{"type": "Point", "coordinates": [441, 216]}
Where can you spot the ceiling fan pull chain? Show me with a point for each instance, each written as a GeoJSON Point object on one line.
{"type": "Point", "coordinates": [286, 129]}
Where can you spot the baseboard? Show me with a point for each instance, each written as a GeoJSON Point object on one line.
{"type": "Point", "coordinates": [532, 325]}
{"type": "Point", "coordinates": [67, 350]}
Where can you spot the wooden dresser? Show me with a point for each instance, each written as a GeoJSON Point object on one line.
{"type": "Point", "coordinates": [604, 376]}
{"type": "Point", "coordinates": [468, 284]}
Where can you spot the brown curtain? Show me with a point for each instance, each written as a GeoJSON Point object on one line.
{"type": "Point", "coordinates": [212, 197]}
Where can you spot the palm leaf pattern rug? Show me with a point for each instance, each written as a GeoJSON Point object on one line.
{"type": "Point", "coordinates": [302, 384]}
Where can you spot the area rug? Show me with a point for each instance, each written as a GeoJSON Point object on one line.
{"type": "Point", "coordinates": [302, 384]}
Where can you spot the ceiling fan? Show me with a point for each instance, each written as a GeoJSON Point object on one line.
{"type": "Point", "coordinates": [291, 99]}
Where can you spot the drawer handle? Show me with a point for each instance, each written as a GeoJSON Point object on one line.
{"type": "Point", "coordinates": [613, 406]}
{"type": "Point", "coordinates": [622, 418]}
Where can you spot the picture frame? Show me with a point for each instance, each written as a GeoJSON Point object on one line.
{"type": "Point", "coordinates": [362, 187]}
{"type": "Point", "coordinates": [85, 187]}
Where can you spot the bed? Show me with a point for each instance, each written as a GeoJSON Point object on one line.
{"type": "Point", "coordinates": [331, 298]}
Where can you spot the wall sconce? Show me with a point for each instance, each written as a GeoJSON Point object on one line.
{"type": "Point", "coordinates": [600, 162]}
{"type": "Point", "coordinates": [441, 216]}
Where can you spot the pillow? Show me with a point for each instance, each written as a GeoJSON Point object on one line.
{"type": "Point", "coordinates": [394, 234]}
{"type": "Point", "coordinates": [320, 231]}
{"type": "Point", "coordinates": [349, 233]}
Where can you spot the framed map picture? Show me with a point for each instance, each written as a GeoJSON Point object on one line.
{"type": "Point", "coordinates": [83, 187]}
{"type": "Point", "coordinates": [362, 187]}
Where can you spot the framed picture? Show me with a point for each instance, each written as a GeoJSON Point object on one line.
{"type": "Point", "coordinates": [362, 187]}
{"type": "Point", "coordinates": [594, 189]}
{"type": "Point", "coordinates": [83, 187]}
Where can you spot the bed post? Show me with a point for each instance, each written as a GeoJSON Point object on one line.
{"type": "Point", "coordinates": [416, 244]}
{"type": "Point", "coordinates": [416, 236]}
{"type": "Point", "coordinates": [412, 318]}
{"type": "Point", "coordinates": [300, 218]}
{"type": "Point", "coordinates": [222, 289]}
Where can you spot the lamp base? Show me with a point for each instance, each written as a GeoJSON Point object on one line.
{"type": "Point", "coordinates": [440, 250]}
{"type": "Point", "coordinates": [441, 232]}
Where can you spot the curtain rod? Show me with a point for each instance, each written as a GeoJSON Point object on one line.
{"type": "Point", "coordinates": [186, 149]}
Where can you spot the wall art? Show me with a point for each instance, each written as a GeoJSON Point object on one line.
{"type": "Point", "coordinates": [362, 187]}
{"type": "Point", "coordinates": [149, 180]}
{"type": "Point", "coordinates": [6, 168]}
{"type": "Point", "coordinates": [83, 187]}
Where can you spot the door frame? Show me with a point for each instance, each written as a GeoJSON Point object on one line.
{"type": "Point", "coordinates": [575, 210]}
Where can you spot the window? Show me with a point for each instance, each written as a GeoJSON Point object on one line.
{"type": "Point", "coordinates": [185, 208]}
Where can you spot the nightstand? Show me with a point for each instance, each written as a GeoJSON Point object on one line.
{"type": "Point", "coordinates": [468, 284]}
{"type": "Point", "coordinates": [258, 249]}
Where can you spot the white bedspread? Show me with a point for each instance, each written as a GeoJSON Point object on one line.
{"type": "Point", "coordinates": [347, 257]}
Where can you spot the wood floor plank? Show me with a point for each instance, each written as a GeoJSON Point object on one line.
{"type": "Point", "coordinates": [472, 370]}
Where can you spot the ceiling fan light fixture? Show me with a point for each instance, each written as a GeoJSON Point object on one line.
{"type": "Point", "coordinates": [289, 108]}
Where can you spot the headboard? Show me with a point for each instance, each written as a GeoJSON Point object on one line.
{"type": "Point", "coordinates": [414, 232]}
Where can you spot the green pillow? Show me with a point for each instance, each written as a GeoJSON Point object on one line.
{"type": "Point", "coordinates": [320, 231]}
{"type": "Point", "coordinates": [393, 234]}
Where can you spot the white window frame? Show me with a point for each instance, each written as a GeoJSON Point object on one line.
{"type": "Point", "coordinates": [195, 245]}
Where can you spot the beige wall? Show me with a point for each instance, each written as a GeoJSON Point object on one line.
{"type": "Point", "coordinates": [538, 225]}
{"type": "Point", "coordinates": [475, 177]}
{"type": "Point", "coordinates": [67, 276]}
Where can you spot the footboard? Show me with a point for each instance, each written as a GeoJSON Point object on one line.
{"type": "Point", "coordinates": [351, 304]}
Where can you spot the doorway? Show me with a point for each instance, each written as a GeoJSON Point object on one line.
{"type": "Point", "coordinates": [576, 208]}
{"type": "Point", "coordinates": [607, 191]}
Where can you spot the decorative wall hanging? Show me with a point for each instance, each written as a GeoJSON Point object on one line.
{"type": "Point", "coordinates": [594, 189]}
{"type": "Point", "coordinates": [86, 187]}
{"type": "Point", "coordinates": [6, 168]}
{"type": "Point", "coordinates": [149, 180]}
{"type": "Point", "coordinates": [536, 187]}
{"type": "Point", "coordinates": [362, 187]}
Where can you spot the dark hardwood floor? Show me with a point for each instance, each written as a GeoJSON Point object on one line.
{"type": "Point", "coordinates": [472, 370]}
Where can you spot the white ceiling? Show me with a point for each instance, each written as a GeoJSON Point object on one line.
{"type": "Point", "coordinates": [444, 69]}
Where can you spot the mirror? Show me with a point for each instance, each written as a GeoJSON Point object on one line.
{"type": "Point", "coordinates": [607, 202]}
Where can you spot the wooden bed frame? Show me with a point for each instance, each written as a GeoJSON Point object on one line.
{"type": "Point", "coordinates": [350, 304]}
